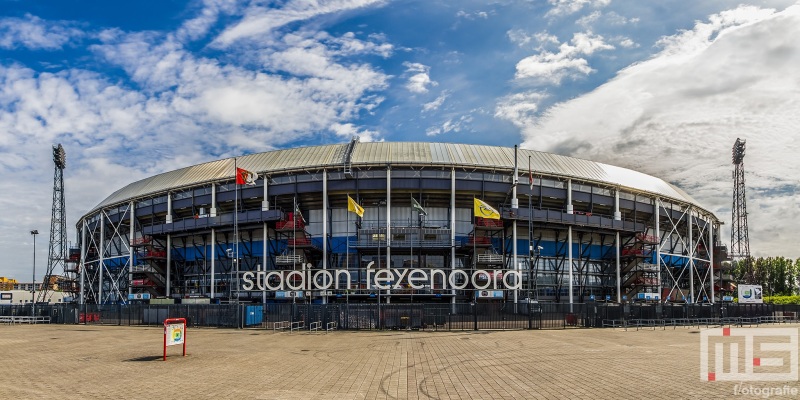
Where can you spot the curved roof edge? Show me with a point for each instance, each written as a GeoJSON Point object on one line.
{"type": "Point", "coordinates": [400, 153]}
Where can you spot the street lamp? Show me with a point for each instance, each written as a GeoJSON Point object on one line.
{"type": "Point", "coordinates": [33, 293]}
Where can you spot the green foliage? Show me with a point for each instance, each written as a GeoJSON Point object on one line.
{"type": "Point", "coordinates": [782, 299]}
{"type": "Point", "coordinates": [779, 276]}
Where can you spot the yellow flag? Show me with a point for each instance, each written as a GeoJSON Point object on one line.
{"type": "Point", "coordinates": [352, 206]}
{"type": "Point", "coordinates": [484, 210]}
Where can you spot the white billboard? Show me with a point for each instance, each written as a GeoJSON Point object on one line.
{"type": "Point", "coordinates": [749, 294]}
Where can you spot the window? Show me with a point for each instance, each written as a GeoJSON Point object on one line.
{"type": "Point", "coordinates": [470, 176]}
{"type": "Point", "coordinates": [309, 178]}
{"type": "Point", "coordinates": [406, 174]}
{"type": "Point", "coordinates": [602, 191]}
{"type": "Point", "coordinates": [201, 191]}
{"type": "Point", "coordinates": [436, 174]}
{"type": "Point", "coordinates": [372, 174]}
{"type": "Point", "coordinates": [627, 196]}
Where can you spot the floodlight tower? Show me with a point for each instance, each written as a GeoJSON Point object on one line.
{"type": "Point", "coordinates": [58, 224]}
{"type": "Point", "coordinates": [740, 240]}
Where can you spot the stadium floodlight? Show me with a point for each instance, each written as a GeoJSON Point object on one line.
{"type": "Point", "coordinates": [738, 151]}
{"type": "Point", "coordinates": [59, 156]}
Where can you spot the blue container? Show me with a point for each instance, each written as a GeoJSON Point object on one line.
{"type": "Point", "coordinates": [254, 315]}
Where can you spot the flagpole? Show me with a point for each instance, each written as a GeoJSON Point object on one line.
{"type": "Point", "coordinates": [347, 241]}
{"type": "Point", "coordinates": [236, 229]}
{"type": "Point", "coordinates": [294, 237]}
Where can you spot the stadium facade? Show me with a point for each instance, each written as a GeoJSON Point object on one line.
{"type": "Point", "coordinates": [570, 230]}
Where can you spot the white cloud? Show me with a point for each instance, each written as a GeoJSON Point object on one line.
{"type": "Point", "coordinates": [472, 16]}
{"type": "Point", "coordinates": [677, 115]}
{"type": "Point", "coordinates": [567, 62]}
{"type": "Point", "coordinates": [521, 109]}
{"type": "Point", "coordinates": [348, 130]}
{"type": "Point", "coordinates": [418, 80]}
{"type": "Point", "coordinates": [521, 38]}
{"type": "Point", "coordinates": [35, 33]}
{"type": "Point", "coordinates": [435, 104]}
{"type": "Point", "coordinates": [588, 20]}
{"type": "Point", "coordinates": [318, 91]}
{"type": "Point", "coordinates": [627, 43]}
{"type": "Point", "coordinates": [259, 22]}
{"type": "Point", "coordinates": [173, 108]}
{"type": "Point", "coordinates": [199, 26]}
{"type": "Point", "coordinates": [566, 7]}
{"type": "Point", "coordinates": [610, 18]}
{"type": "Point", "coordinates": [451, 125]}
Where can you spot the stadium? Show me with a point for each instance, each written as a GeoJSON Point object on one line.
{"type": "Point", "coordinates": [400, 223]}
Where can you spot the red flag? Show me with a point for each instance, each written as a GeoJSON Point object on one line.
{"type": "Point", "coordinates": [245, 177]}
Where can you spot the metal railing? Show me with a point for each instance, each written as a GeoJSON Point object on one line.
{"type": "Point", "coordinates": [416, 316]}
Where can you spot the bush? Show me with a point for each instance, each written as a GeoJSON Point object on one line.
{"type": "Point", "coordinates": [782, 299]}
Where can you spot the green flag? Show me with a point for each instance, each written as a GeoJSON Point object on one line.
{"type": "Point", "coordinates": [416, 206]}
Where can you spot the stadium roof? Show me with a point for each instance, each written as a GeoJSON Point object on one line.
{"type": "Point", "coordinates": [400, 154]}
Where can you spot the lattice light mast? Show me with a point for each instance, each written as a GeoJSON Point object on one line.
{"type": "Point", "coordinates": [740, 239]}
{"type": "Point", "coordinates": [58, 226]}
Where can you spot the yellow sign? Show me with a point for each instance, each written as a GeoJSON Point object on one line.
{"type": "Point", "coordinates": [484, 210]}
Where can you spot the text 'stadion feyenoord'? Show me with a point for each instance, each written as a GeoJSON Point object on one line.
{"type": "Point", "coordinates": [769, 354]}
{"type": "Point", "coordinates": [383, 279]}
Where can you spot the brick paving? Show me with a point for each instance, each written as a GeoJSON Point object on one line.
{"type": "Point", "coordinates": [82, 362]}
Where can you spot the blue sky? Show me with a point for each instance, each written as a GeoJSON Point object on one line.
{"type": "Point", "coordinates": [132, 89]}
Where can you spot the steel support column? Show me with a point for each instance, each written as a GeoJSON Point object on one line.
{"type": "Point", "coordinates": [213, 260]}
{"type": "Point", "coordinates": [657, 204]}
{"type": "Point", "coordinates": [130, 248]}
{"type": "Point", "coordinates": [515, 206]}
{"type": "Point", "coordinates": [81, 298]}
{"type": "Point", "coordinates": [264, 258]}
{"type": "Point", "coordinates": [388, 226]}
{"type": "Point", "coordinates": [569, 196]}
{"type": "Point", "coordinates": [324, 225]}
{"type": "Point", "coordinates": [169, 265]}
{"type": "Point", "coordinates": [213, 211]}
{"type": "Point", "coordinates": [101, 252]}
{"type": "Point", "coordinates": [619, 283]}
{"type": "Point", "coordinates": [690, 252]}
{"type": "Point", "coordinates": [711, 256]}
{"type": "Point", "coordinates": [453, 232]}
{"type": "Point", "coordinates": [569, 264]}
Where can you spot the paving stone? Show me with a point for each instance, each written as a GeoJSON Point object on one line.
{"type": "Point", "coordinates": [86, 362]}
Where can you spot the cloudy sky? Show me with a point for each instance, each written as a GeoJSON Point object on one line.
{"type": "Point", "coordinates": [132, 89]}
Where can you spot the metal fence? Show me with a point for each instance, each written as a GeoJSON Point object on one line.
{"type": "Point", "coordinates": [431, 316]}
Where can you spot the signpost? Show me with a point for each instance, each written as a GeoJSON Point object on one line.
{"type": "Point", "coordinates": [174, 333]}
{"type": "Point", "coordinates": [750, 294]}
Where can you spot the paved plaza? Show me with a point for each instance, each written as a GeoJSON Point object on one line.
{"type": "Point", "coordinates": [81, 361]}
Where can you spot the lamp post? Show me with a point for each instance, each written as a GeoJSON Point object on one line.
{"type": "Point", "coordinates": [33, 292]}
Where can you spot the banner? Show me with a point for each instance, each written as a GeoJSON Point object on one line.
{"type": "Point", "coordinates": [750, 294]}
